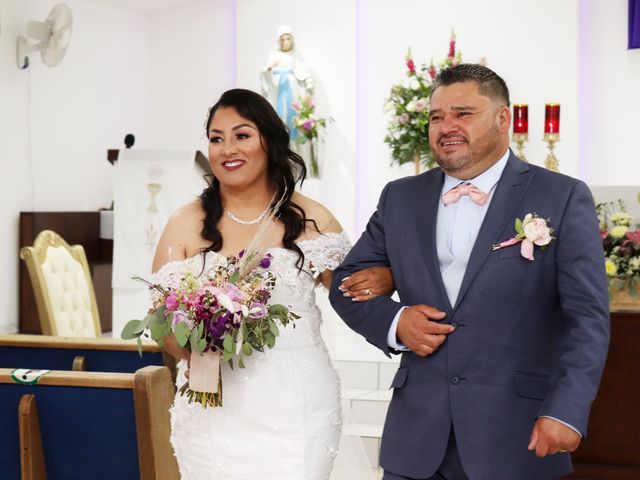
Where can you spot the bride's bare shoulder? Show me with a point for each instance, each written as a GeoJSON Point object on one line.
{"type": "Point", "coordinates": [181, 235]}
{"type": "Point", "coordinates": [187, 215]}
{"type": "Point", "coordinates": [325, 222]}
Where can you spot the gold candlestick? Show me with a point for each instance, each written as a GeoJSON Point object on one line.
{"type": "Point", "coordinates": [520, 138]}
{"type": "Point", "coordinates": [551, 162]}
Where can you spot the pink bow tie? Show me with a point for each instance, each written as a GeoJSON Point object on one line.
{"type": "Point", "coordinates": [475, 194]}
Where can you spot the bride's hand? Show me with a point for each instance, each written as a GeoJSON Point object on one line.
{"type": "Point", "coordinates": [171, 346]}
{"type": "Point", "coordinates": [368, 283]}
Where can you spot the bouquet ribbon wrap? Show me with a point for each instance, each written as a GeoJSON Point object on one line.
{"type": "Point", "coordinates": [204, 372]}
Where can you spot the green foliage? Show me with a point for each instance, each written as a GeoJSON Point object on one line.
{"type": "Point", "coordinates": [518, 226]}
{"type": "Point", "coordinates": [182, 333]}
{"type": "Point", "coordinates": [621, 245]}
{"type": "Point", "coordinates": [408, 105]}
{"type": "Point", "coordinates": [129, 330]}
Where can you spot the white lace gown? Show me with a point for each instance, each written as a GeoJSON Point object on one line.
{"type": "Point", "coordinates": [281, 414]}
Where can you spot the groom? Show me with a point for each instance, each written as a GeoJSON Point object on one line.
{"type": "Point", "coordinates": [502, 348]}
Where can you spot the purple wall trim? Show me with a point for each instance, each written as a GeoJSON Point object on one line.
{"type": "Point", "coordinates": [634, 24]}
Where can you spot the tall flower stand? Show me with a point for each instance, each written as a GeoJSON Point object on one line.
{"type": "Point", "coordinates": [310, 154]}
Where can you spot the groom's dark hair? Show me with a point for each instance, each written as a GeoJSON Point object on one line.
{"type": "Point", "coordinates": [490, 84]}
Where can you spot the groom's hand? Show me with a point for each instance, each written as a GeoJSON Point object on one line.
{"type": "Point", "coordinates": [418, 331]}
{"type": "Point", "coordinates": [550, 436]}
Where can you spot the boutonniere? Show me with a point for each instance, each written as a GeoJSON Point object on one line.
{"type": "Point", "coordinates": [531, 230]}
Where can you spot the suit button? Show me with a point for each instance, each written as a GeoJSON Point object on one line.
{"type": "Point", "coordinates": [455, 380]}
{"type": "Point", "coordinates": [454, 325]}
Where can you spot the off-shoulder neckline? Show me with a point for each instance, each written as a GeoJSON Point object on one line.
{"type": "Point", "coordinates": [341, 234]}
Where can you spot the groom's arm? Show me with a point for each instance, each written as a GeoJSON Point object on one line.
{"type": "Point", "coordinates": [583, 338]}
{"type": "Point", "coordinates": [371, 319]}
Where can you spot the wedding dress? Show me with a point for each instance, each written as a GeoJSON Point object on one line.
{"type": "Point", "coordinates": [280, 417]}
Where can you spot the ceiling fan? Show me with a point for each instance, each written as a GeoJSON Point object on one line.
{"type": "Point", "coordinates": [52, 37]}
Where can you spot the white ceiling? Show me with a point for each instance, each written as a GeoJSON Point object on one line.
{"type": "Point", "coordinates": [141, 6]}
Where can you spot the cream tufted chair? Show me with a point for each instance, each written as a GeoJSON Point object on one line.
{"type": "Point", "coordinates": [62, 286]}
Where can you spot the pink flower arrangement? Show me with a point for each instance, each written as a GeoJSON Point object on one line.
{"type": "Point", "coordinates": [225, 311]}
{"type": "Point", "coordinates": [309, 126]}
{"type": "Point", "coordinates": [531, 231]}
{"type": "Point", "coordinates": [408, 104]}
{"type": "Point", "coordinates": [621, 245]}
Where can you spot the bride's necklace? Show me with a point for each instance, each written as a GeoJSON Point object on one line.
{"type": "Point", "coordinates": [258, 219]}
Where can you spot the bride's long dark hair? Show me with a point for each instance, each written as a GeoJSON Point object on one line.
{"type": "Point", "coordinates": [285, 168]}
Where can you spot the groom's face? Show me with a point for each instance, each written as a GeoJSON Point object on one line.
{"type": "Point", "coordinates": [468, 131]}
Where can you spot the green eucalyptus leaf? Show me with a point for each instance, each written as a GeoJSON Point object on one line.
{"type": "Point", "coordinates": [241, 363]}
{"type": "Point", "coordinates": [200, 329]}
{"type": "Point", "coordinates": [158, 331]}
{"type": "Point", "coordinates": [159, 314]}
{"type": "Point", "coordinates": [228, 343]}
{"type": "Point", "coordinates": [227, 356]}
{"type": "Point", "coordinates": [201, 345]}
{"type": "Point", "coordinates": [270, 339]}
{"type": "Point", "coordinates": [193, 340]}
{"type": "Point", "coordinates": [246, 349]}
{"type": "Point", "coordinates": [277, 310]}
{"type": "Point", "coordinates": [142, 326]}
{"type": "Point", "coordinates": [130, 330]}
{"type": "Point", "coordinates": [182, 333]}
{"type": "Point", "coordinates": [273, 328]}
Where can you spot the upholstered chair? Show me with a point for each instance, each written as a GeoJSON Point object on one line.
{"type": "Point", "coordinates": [62, 286]}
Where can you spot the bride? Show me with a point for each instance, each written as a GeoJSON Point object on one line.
{"type": "Point", "coordinates": [281, 414]}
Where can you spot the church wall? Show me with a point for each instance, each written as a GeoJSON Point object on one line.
{"type": "Point", "coordinates": [191, 55]}
{"type": "Point", "coordinates": [57, 123]}
{"type": "Point", "coordinates": [609, 96]}
{"type": "Point", "coordinates": [156, 74]}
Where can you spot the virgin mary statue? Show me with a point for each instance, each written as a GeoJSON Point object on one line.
{"type": "Point", "coordinates": [286, 78]}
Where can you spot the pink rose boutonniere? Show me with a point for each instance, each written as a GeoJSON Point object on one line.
{"type": "Point", "coordinates": [531, 230]}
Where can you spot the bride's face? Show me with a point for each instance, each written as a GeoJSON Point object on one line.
{"type": "Point", "coordinates": [236, 150]}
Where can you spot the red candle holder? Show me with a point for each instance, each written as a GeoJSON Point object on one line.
{"type": "Point", "coordinates": [552, 118]}
{"type": "Point", "coordinates": [551, 133]}
{"type": "Point", "coordinates": [521, 118]}
{"type": "Point", "coordinates": [520, 127]}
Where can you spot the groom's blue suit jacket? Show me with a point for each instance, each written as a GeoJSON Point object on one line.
{"type": "Point", "coordinates": [531, 337]}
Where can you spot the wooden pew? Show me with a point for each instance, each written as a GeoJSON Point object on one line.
{"type": "Point", "coordinates": [91, 425]}
{"type": "Point", "coordinates": [31, 451]}
{"type": "Point", "coordinates": [92, 354]}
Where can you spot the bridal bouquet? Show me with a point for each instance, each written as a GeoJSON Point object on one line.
{"type": "Point", "coordinates": [223, 315]}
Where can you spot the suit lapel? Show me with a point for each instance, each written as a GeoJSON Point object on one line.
{"type": "Point", "coordinates": [511, 187]}
{"type": "Point", "coordinates": [426, 218]}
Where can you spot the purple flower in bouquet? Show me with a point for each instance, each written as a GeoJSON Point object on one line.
{"type": "Point", "coordinates": [225, 313]}
{"type": "Point", "coordinates": [180, 316]}
{"type": "Point", "coordinates": [217, 327]}
{"type": "Point", "coordinates": [234, 293]}
{"type": "Point", "coordinates": [266, 261]}
{"type": "Point", "coordinates": [257, 310]}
